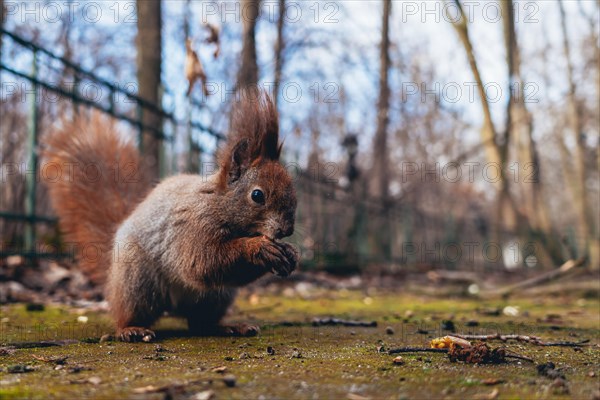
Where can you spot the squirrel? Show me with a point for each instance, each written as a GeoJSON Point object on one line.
{"type": "Point", "coordinates": [185, 245]}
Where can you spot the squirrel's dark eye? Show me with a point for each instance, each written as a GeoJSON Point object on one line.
{"type": "Point", "coordinates": [258, 196]}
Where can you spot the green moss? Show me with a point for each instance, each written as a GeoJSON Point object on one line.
{"type": "Point", "coordinates": [16, 392]}
{"type": "Point", "coordinates": [326, 361]}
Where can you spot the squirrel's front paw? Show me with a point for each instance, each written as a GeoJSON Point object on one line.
{"type": "Point", "coordinates": [285, 266]}
{"type": "Point", "coordinates": [278, 257]}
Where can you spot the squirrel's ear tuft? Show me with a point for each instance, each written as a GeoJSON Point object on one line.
{"type": "Point", "coordinates": [269, 132]}
{"type": "Point", "coordinates": [254, 136]}
{"type": "Point", "coordinates": [239, 161]}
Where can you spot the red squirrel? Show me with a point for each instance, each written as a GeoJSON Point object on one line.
{"type": "Point", "coordinates": [185, 245]}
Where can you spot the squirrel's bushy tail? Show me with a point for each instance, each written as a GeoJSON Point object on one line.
{"type": "Point", "coordinates": [94, 180]}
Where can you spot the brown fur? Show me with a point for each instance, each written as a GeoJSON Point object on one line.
{"type": "Point", "coordinates": [254, 134]}
{"type": "Point", "coordinates": [97, 168]}
{"type": "Point", "coordinates": [193, 240]}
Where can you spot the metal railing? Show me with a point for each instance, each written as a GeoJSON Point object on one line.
{"type": "Point", "coordinates": [134, 117]}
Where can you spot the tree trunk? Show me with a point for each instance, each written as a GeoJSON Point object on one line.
{"type": "Point", "coordinates": [488, 131]}
{"type": "Point", "coordinates": [380, 174]}
{"type": "Point", "coordinates": [519, 127]}
{"type": "Point", "coordinates": [496, 153]}
{"type": "Point", "coordinates": [585, 221]}
{"type": "Point", "coordinates": [149, 52]}
{"type": "Point", "coordinates": [248, 73]}
{"type": "Point", "coordinates": [380, 171]}
{"type": "Point", "coordinates": [279, 48]}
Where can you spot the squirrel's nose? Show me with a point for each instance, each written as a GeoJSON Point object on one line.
{"type": "Point", "coordinates": [280, 233]}
{"type": "Point", "coordinates": [289, 231]}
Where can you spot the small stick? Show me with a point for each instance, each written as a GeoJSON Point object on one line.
{"type": "Point", "coordinates": [343, 322]}
{"type": "Point", "coordinates": [520, 338]}
{"type": "Point", "coordinates": [563, 270]}
{"type": "Point", "coordinates": [581, 343]}
{"type": "Point", "coordinates": [503, 338]}
{"type": "Point", "coordinates": [416, 350]}
{"type": "Point", "coordinates": [44, 343]}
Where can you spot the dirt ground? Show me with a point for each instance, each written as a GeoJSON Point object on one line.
{"type": "Point", "coordinates": [293, 359]}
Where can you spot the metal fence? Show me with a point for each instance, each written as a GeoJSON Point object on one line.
{"type": "Point", "coordinates": [337, 227]}
{"type": "Point", "coordinates": [34, 65]}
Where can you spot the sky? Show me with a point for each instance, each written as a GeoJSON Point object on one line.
{"type": "Point", "coordinates": [419, 29]}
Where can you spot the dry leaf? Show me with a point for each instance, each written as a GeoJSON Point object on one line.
{"type": "Point", "coordinates": [448, 342]}
{"type": "Point", "coordinates": [479, 353]}
{"type": "Point", "coordinates": [194, 69]}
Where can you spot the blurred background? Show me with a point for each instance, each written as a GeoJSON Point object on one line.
{"type": "Point", "coordinates": [447, 137]}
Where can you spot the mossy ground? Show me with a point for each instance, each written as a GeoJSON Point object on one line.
{"type": "Point", "coordinates": [309, 362]}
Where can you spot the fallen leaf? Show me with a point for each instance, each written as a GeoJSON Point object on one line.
{"type": "Point", "coordinates": [194, 69]}
{"type": "Point", "coordinates": [479, 353]}
{"type": "Point", "coordinates": [447, 342]}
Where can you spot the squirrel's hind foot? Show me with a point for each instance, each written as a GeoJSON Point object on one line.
{"type": "Point", "coordinates": [135, 334]}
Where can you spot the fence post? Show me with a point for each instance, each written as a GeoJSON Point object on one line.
{"type": "Point", "coordinates": [31, 178]}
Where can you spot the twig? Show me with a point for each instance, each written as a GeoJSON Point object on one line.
{"type": "Point", "coordinates": [416, 350]}
{"type": "Point", "coordinates": [519, 338]}
{"type": "Point", "coordinates": [563, 270]}
{"type": "Point", "coordinates": [581, 343]}
{"type": "Point", "coordinates": [503, 338]}
{"type": "Point", "coordinates": [44, 343]}
{"type": "Point", "coordinates": [335, 321]}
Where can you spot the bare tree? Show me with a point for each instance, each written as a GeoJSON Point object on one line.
{"type": "Point", "coordinates": [380, 170]}
{"type": "Point", "coordinates": [248, 72]}
{"type": "Point", "coordinates": [380, 173]}
{"type": "Point", "coordinates": [519, 126]}
{"type": "Point", "coordinates": [279, 49]}
{"type": "Point", "coordinates": [496, 151]}
{"type": "Point", "coordinates": [578, 173]}
{"type": "Point", "coordinates": [149, 52]}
